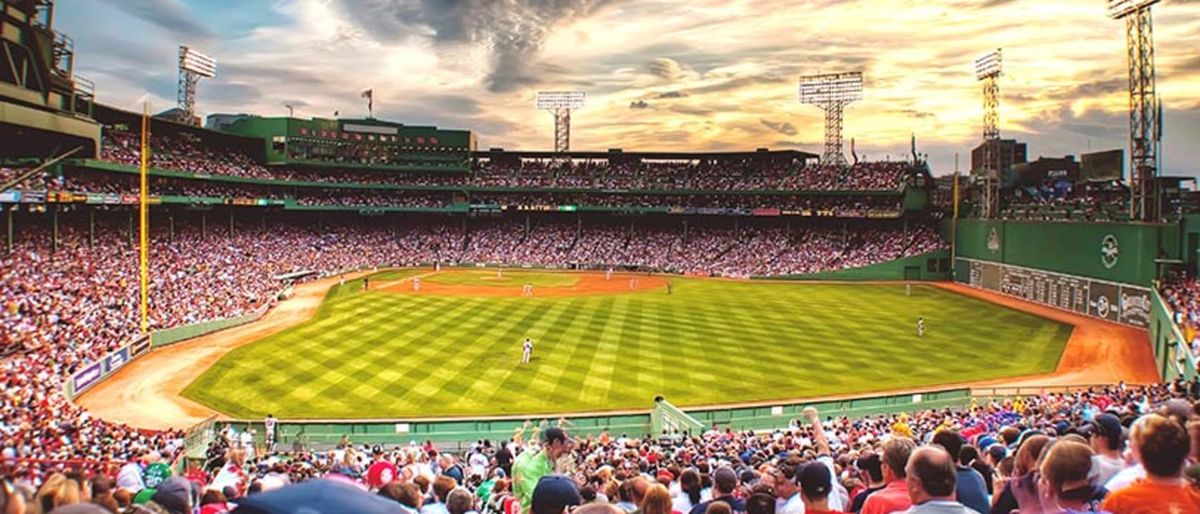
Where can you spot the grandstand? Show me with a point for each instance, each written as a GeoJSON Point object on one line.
{"type": "Point", "coordinates": [267, 234]}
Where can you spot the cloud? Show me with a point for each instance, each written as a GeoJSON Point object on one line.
{"type": "Point", "coordinates": [170, 15]}
{"type": "Point", "coordinates": [781, 127]}
{"type": "Point", "coordinates": [671, 94]}
{"type": "Point", "coordinates": [513, 31]}
{"type": "Point", "coordinates": [639, 104]}
{"type": "Point", "coordinates": [665, 68]}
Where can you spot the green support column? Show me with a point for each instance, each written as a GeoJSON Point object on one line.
{"type": "Point", "coordinates": [130, 231]}
{"type": "Point", "coordinates": [204, 225]}
{"type": "Point", "coordinates": [91, 228]}
{"type": "Point", "coordinates": [171, 226]}
{"type": "Point", "coordinates": [231, 223]}
{"type": "Point", "coordinates": [54, 231]}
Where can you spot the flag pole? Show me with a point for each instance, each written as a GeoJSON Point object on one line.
{"type": "Point", "coordinates": [143, 224]}
{"type": "Point", "coordinates": [954, 222]}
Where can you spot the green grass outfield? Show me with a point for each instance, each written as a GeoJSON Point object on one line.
{"type": "Point", "coordinates": [386, 355]}
{"type": "Point", "coordinates": [507, 278]}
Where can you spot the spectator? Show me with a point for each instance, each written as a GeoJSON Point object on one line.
{"type": "Point", "coordinates": [725, 482]}
{"type": "Point", "coordinates": [816, 483]}
{"type": "Point", "coordinates": [1161, 446]}
{"type": "Point", "coordinates": [554, 494]}
{"type": "Point", "coordinates": [931, 480]}
{"type": "Point", "coordinates": [969, 488]}
{"type": "Point", "coordinates": [894, 495]}
{"type": "Point", "coordinates": [760, 503]}
{"type": "Point", "coordinates": [1067, 485]}
{"type": "Point", "coordinates": [460, 501]}
{"type": "Point", "coordinates": [657, 500]}
{"type": "Point", "coordinates": [531, 466]}
{"type": "Point", "coordinates": [1106, 437]}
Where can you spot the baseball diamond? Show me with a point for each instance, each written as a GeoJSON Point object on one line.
{"type": "Point", "coordinates": [394, 353]}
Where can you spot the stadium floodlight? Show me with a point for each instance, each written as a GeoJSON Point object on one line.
{"type": "Point", "coordinates": [1145, 109]}
{"type": "Point", "coordinates": [193, 66]}
{"type": "Point", "coordinates": [988, 65]}
{"type": "Point", "coordinates": [560, 104]}
{"type": "Point", "coordinates": [832, 92]}
{"type": "Point", "coordinates": [196, 62]}
{"type": "Point", "coordinates": [1118, 9]}
{"type": "Point", "coordinates": [987, 70]}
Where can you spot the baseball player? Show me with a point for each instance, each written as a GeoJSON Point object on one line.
{"type": "Point", "coordinates": [920, 327]}
{"type": "Point", "coordinates": [416, 283]}
{"type": "Point", "coordinates": [269, 433]}
{"type": "Point", "coordinates": [527, 351]}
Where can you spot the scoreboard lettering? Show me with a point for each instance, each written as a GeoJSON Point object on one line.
{"type": "Point", "coordinates": [1114, 302]}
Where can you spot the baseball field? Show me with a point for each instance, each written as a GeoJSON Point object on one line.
{"type": "Point", "coordinates": [453, 348]}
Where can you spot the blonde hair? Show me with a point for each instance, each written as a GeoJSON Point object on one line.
{"type": "Point", "coordinates": [1066, 468]}
{"type": "Point", "coordinates": [58, 490]}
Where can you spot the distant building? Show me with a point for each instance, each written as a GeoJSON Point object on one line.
{"type": "Point", "coordinates": [1046, 171]}
{"type": "Point", "coordinates": [1012, 152]}
{"type": "Point", "coordinates": [223, 121]}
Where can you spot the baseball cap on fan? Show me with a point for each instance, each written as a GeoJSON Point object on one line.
{"type": "Point", "coordinates": [1107, 426]}
{"type": "Point", "coordinates": [555, 493]}
{"type": "Point", "coordinates": [815, 480]}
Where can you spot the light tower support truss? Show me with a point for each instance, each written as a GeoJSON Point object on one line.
{"type": "Point", "coordinates": [1145, 125]}
{"type": "Point", "coordinates": [987, 70]}
{"type": "Point", "coordinates": [193, 66]}
{"type": "Point", "coordinates": [832, 92]}
{"type": "Point", "coordinates": [560, 104]}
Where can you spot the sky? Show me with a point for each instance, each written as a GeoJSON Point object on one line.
{"type": "Point", "coordinates": [702, 75]}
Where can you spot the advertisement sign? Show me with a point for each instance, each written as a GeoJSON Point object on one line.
{"type": "Point", "coordinates": [142, 345]}
{"type": "Point", "coordinates": [86, 377]}
{"type": "Point", "coordinates": [1110, 301]}
{"type": "Point", "coordinates": [115, 360]}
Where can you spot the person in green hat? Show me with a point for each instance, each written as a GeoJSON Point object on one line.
{"type": "Point", "coordinates": [531, 466]}
{"type": "Point", "coordinates": [156, 471]}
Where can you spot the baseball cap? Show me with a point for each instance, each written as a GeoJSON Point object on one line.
{"type": "Point", "coordinates": [554, 493]}
{"type": "Point", "coordinates": [1104, 425]}
{"type": "Point", "coordinates": [815, 480]}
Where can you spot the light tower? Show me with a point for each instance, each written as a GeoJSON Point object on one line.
{"type": "Point", "coordinates": [987, 70]}
{"type": "Point", "coordinates": [560, 104]}
{"type": "Point", "coordinates": [193, 66]}
{"type": "Point", "coordinates": [1145, 125]}
{"type": "Point", "coordinates": [832, 92]}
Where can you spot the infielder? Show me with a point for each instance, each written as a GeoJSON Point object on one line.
{"type": "Point", "coordinates": [920, 327]}
{"type": "Point", "coordinates": [416, 283]}
{"type": "Point", "coordinates": [527, 351]}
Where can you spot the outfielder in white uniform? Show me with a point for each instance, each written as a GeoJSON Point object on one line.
{"type": "Point", "coordinates": [527, 352]}
{"type": "Point", "coordinates": [920, 327]}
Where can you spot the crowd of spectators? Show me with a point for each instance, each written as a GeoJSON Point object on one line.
{"type": "Point", "coordinates": [184, 152]}
{"type": "Point", "coordinates": [1182, 294]}
{"type": "Point", "coordinates": [179, 152]}
{"type": "Point", "coordinates": [1117, 449]}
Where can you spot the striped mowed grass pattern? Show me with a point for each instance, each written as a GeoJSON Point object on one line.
{"type": "Point", "coordinates": [385, 355]}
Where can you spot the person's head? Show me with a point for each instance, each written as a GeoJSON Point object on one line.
{"type": "Point", "coordinates": [553, 494]}
{"type": "Point", "coordinates": [57, 491]}
{"type": "Point", "coordinates": [599, 508]}
{"type": "Point", "coordinates": [1105, 433]}
{"type": "Point", "coordinates": [410, 496]}
{"type": "Point", "coordinates": [949, 440]}
{"type": "Point", "coordinates": [1160, 444]}
{"type": "Point", "coordinates": [1026, 461]}
{"type": "Point", "coordinates": [896, 452]}
{"type": "Point", "coordinates": [460, 501]}
{"type": "Point", "coordinates": [784, 477]}
{"type": "Point", "coordinates": [212, 496]}
{"type": "Point", "coordinates": [718, 508]}
{"type": "Point", "coordinates": [639, 486]}
{"type": "Point", "coordinates": [178, 495]}
{"type": "Point", "coordinates": [1064, 473]}
{"type": "Point", "coordinates": [760, 503]}
{"type": "Point", "coordinates": [724, 481]}
{"type": "Point", "coordinates": [871, 467]}
{"type": "Point", "coordinates": [442, 486]}
{"type": "Point", "coordinates": [555, 442]}
{"type": "Point", "coordinates": [815, 482]}
{"type": "Point", "coordinates": [689, 482]}
{"type": "Point", "coordinates": [930, 474]}
{"type": "Point", "coordinates": [657, 500]}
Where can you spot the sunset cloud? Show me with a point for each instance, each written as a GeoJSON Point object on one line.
{"type": "Point", "coordinates": [660, 74]}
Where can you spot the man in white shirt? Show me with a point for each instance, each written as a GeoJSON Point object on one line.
{"type": "Point", "coordinates": [1106, 437]}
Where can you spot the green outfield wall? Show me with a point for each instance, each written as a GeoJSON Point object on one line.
{"type": "Point", "coordinates": [1124, 253]}
{"type": "Point", "coordinates": [928, 266]}
{"type": "Point", "coordinates": [1172, 356]}
{"type": "Point", "coordinates": [320, 434]}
